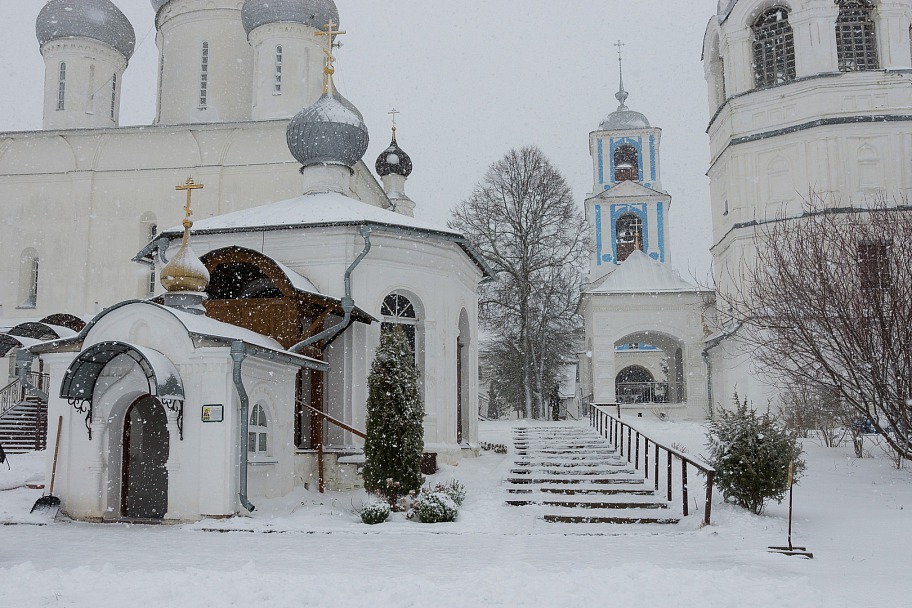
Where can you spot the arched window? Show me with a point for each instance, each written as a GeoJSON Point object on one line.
{"type": "Point", "coordinates": [626, 163]}
{"type": "Point", "coordinates": [774, 48]}
{"type": "Point", "coordinates": [856, 42]}
{"type": "Point", "coordinates": [398, 310]}
{"type": "Point", "coordinates": [629, 231]}
{"type": "Point", "coordinates": [277, 90]}
{"type": "Point", "coordinates": [204, 77]}
{"type": "Point", "coordinates": [28, 278]}
{"type": "Point", "coordinates": [258, 431]}
{"type": "Point", "coordinates": [61, 86]}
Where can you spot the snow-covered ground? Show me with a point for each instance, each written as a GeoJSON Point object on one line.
{"type": "Point", "coordinates": [312, 550]}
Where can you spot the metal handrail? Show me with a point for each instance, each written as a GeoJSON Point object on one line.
{"type": "Point", "coordinates": [613, 429]}
{"type": "Point", "coordinates": [320, 465]}
{"type": "Point", "coordinates": [13, 393]}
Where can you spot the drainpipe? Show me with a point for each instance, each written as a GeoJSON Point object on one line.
{"type": "Point", "coordinates": [238, 354]}
{"type": "Point", "coordinates": [709, 383]}
{"type": "Point", "coordinates": [24, 360]}
{"type": "Point", "coordinates": [348, 304]}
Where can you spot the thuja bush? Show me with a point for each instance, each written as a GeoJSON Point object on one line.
{"type": "Point", "coordinates": [395, 416]}
{"type": "Point", "coordinates": [435, 507]}
{"type": "Point", "coordinates": [751, 453]}
{"type": "Point", "coordinates": [375, 512]}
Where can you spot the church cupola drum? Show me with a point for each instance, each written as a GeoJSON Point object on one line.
{"type": "Point", "coordinates": [205, 71]}
{"type": "Point", "coordinates": [86, 46]}
{"type": "Point", "coordinates": [287, 50]}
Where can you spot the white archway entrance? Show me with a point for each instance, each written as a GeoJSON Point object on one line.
{"type": "Point", "coordinates": [650, 368]}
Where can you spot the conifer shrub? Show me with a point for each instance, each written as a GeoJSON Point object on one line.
{"type": "Point", "coordinates": [395, 416]}
{"type": "Point", "coordinates": [435, 507]}
{"type": "Point", "coordinates": [375, 512]}
{"type": "Point", "coordinates": [751, 453]}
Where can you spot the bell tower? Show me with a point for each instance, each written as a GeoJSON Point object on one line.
{"type": "Point", "coordinates": [627, 209]}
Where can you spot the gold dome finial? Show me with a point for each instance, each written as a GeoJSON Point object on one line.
{"type": "Point", "coordinates": [330, 60]}
{"type": "Point", "coordinates": [185, 272]}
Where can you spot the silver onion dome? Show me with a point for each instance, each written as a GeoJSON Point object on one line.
{"type": "Point", "coordinates": [331, 132]}
{"type": "Point", "coordinates": [315, 13]}
{"type": "Point", "coordinates": [94, 19]}
{"type": "Point", "coordinates": [394, 160]}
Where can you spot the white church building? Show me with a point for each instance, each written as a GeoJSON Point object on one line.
{"type": "Point", "coordinates": [202, 368]}
{"type": "Point", "coordinates": [804, 95]}
{"type": "Point", "coordinates": [644, 323]}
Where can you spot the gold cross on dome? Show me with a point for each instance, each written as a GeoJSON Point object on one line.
{"type": "Point", "coordinates": [330, 33]}
{"type": "Point", "coordinates": [189, 186]}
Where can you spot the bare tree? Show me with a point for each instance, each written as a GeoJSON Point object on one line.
{"type": "Point", "coordinates": [523, 219]}
{"type": "Point", "coordinates": [828, 305]}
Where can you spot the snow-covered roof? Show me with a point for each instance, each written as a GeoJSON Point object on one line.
{"type": "Point", "coordinates": [641, 274]}
{"type": "Point", "coordinates": [314, 209]}
{"type": "Point", "coordinates": [298, 281]}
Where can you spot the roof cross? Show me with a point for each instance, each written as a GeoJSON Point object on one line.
{"type": "Point", "coordinates": [189, 186]}
{"type": "Point", "coordinates": [328, 70]}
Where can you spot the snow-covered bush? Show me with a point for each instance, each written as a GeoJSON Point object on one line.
{"type": "Point", "coordinates": [454, 489]}
{"type": "Point", "coordinates": [375, 512]}
{"type": "Point", "coordinates": [751, 454]}
{"type": "Point", "coordinates": [395, 419]}
{"type": "Point", "coordinates": [435, 507]}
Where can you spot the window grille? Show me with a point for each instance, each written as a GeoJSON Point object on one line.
{"type": "Point", "coordinates": [153, 232]}
{"type": "Point", "coordinates": [856, 41]}
{"type": "Point", "coordinates": [874, 266]}
{"type": "Point", "coordinates": [204, 77]}
{"type": "Point", "coordinates": [33, 284]}
{"type": "Point", "coordinates": [398, 310]}
{"type": "Point", "coordinates": [257, 431]}
{"type": "Point", "coordinates": [773, 48]}
{"type": "Point", "coordinates": [113, 94]}
{"type": "Point", "coordinates": [61, 87]}
{"type": "Point", "coordinates": [278, 71]}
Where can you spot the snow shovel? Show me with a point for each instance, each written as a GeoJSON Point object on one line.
{"type": "Point", "coordinates": [791, 549]}
{"type": "Point", "coordinates": [49, 502]}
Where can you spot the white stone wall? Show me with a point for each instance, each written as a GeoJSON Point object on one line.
{"type": "Point", "coordinates": [302, 69]}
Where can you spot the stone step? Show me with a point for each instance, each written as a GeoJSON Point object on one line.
{"type": "Point", "coordinates": [632, 481]}
{"type": "Point", "coordinates": [577, 491]}
{"type": "Point", "coordinates": [583, 504]}
{"type": "Point", "coordinates": [572, 464]}
{"type": "Point", "coordinates": [608, 519]}
{"type": "Point", "coordinates": [572, 472]}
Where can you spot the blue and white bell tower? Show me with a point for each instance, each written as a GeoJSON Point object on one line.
{"type": "Point", "coordinates": [627, 209]}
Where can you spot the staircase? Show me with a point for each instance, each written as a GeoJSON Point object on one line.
{"type": "Point", "coordinates": [23, 421]}
{"type": "Point", "coordinates": [572, 475]}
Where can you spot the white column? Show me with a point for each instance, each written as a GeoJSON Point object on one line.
{"type": "Point", "coordinates": [814, 28]}
{"type": "Point", "coordinates": [892, 20]}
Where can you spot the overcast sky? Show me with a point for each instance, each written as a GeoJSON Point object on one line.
{"type": "Point", "coordinates": [473, 79]}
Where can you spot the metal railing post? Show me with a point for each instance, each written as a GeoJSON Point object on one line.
{"type": "Point", "coordinates": [636, 453]}
{"type": "Point", "coordinates": [657, 468]}
{"type": "Point", "coordinates": [684, 485]}
{"type": "Point", "coordinates": [629, 442]}
{"type": "Point", "coordinates": [668, 475]}
{"type": "Point", "coordinates": [709, 494]}
{"type": "Point", "coordinates": [646, 456]}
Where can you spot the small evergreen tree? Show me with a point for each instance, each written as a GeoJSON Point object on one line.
{"type": "Point", "coordinates": [751, 454]}
{"type": "Point", "coordinates": [395, 416]}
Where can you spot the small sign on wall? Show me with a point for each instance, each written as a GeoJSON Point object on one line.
{"type": "Point", "coordinates": [213, 413]}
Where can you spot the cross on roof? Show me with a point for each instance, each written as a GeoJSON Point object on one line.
{"type": "Point", "coordinates": [330, 33]}
{"type": "Point", "coordinates": [620, 47]}
{"type": "Point", "coordinates": [189, 186]}
{"type": "Point", "coordinates": [393, 113]}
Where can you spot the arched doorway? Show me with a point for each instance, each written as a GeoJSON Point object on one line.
{"type": "Point", "coordinates": [635, 384]}
{"type": "Point", "coordinates": [144, 493]}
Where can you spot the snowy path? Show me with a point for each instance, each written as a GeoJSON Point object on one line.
{"type": "Point", "coordinates": [855, 515]}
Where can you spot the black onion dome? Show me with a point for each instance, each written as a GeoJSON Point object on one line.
{"type": "Point", "coordinates": [331, 131]}
{"type": "Point", "coordinates": [94, 19]}
{"type": "Point", "coordinates": [394, 160]}
{"type": "Point", "coordinates": [315, 13]}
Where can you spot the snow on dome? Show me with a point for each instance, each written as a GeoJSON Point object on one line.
{"type": "Point", "coordinates": [157, 4]}
{"type": "Point", "coordinates": [94, 19]}
{"type": "Point", "coordinates": [394, 160]}
{"type": "Point", "coordinates": [624, 119]}
{"type": "Point", "coordinates": [331, 131]}
{"type": "Point", "coordinates": [314, 13]}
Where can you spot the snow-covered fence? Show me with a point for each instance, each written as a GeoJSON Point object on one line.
{"type": "Point", "coordinates": [638, 449]}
